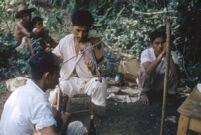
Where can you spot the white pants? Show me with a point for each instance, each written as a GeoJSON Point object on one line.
{"type": "Point", "coordinates": [91, 87]}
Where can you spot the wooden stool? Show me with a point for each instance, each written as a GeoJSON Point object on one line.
{"type": "Point", "coordinates": [69, 108]}
{"type": "Point", "coordinates": [190, 114]}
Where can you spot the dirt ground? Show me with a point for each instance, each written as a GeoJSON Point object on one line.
{"type": "Point", "coordinates": [127, 119]}
{"type": "Point", "coordinates": [136, 118]}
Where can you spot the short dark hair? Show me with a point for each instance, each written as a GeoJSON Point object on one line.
{"type": "Point", "coordinates": [43, 62]}
{"type": "Point", "coordinates": [157, 33]}
{"type": "Point", "coordinates": [25, 14]}
{"type": "Point", "coordinates": [36, 19]}
{"type": "Point", "coordinates": [82, 18]}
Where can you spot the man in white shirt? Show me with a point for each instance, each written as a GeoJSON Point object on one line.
{"type": "Point", "coordinates": [27, 108]}
{"type": "Point", "coordinates": [151, 74]}
{"type": "Point", "coordinates": [77, 73]}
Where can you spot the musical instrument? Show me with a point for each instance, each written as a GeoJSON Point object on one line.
{"type": "Point", "coordinates": [93, 53]}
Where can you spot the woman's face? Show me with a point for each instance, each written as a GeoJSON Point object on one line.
{"type": "Point", "coordinates": [26, 17]}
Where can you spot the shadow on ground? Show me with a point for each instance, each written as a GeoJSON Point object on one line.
{"type": "Point", "coordinates": [127, 119]}
{"type": "Point", "coordinates": [134, 118]}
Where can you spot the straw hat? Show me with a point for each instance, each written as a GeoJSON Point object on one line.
{"type": "Point", "coordinates": [23, 9]}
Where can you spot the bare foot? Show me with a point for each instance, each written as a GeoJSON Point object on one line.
{"type": "Point", "coordinates": [144, 99]}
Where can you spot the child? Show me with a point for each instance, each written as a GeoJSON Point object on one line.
{"type": "Point", "coordinates": [42, 32]}
{"type": "Point", "coordinates": [24, 28]}
{"type": "Point", "coordinates": [151, 74]}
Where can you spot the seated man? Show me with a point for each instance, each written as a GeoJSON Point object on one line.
{"type": "Point", "coordinates": [77, 72]}
{"type": "Point", "coordinates": [151, 74]}
{"type": "Point", "coordinates": [24, 28]}
{"type": "Point", "coordinates": [27, 108]}
{"type": "Point", "coordinates": [42, 32]}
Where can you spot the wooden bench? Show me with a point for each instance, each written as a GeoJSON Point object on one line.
{"type": "Point", "coordinates": [190, 114]}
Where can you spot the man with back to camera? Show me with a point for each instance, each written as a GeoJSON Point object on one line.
{"type": "Point", "coordinates": [27, 108]}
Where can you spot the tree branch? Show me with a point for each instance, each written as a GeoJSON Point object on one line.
{"type": "Point", "coordinates": [152, 13]}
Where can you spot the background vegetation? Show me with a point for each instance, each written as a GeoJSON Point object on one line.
{"type": "Point", "coordinates": [123, 25]}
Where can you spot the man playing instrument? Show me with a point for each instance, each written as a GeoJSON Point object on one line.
{"type": "Point", "coordinates": [76, 71]}
{"type": "Point", "coordinates": [27, 108]}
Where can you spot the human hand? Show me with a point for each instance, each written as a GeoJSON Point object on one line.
{"type": "Point", "coordinates": [90, 65]}
{"type": "Point", "coordinates": [65, 117]}
{"type": "Point", "coordinates": [99, 69]}
{"type": "Point", "coordinates": [164, 48]}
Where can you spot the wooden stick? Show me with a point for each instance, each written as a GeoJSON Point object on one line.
{"type": "Point", "coordinates": [166, 75]}
{"type": "Point", "coordinates": [152, 13]}
{"type": "Point", "coordinates": [82, 111]}
{"type": "Point", "coordinates": [59, 98]}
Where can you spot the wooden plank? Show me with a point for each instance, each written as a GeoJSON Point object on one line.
{"type": "Point", "coordinates": [195, 125]}
{"type": "Point", "coordinates": [191, 106]}
{"type": "Point", "coordinates": [183, 125]}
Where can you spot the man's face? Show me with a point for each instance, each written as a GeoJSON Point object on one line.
{"type": "Point", "coordinates": [158, 45]}
{"type": "Point", "coordinates": [26, 17]}
{"type": "Point", "coordinates": [80, 32]}
{"type": "Point", "coordinates": [52, 80]}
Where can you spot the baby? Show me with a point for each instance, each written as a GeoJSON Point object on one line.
{"type": "Point", "coordinates": [42, 33]}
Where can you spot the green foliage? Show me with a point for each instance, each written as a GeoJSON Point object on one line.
{"type": "Point", "coordinates": [9, 62]}
{"type": "Point", "coordinates": [126, 28]}
{"type": "Point", "coordinates": [123, 25]}
{"type": "Point", "coordinates": [14, 63]}
{"type": "Point", "coordinates": [188, 39]}
{"type": "Point", "coordinates": [5, 13]}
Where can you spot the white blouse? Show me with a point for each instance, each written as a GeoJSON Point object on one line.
{"type": "Point", "coordinates": [199, 87]}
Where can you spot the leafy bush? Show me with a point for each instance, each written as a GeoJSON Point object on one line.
{"type": "Point", "coordinates": [14, 63]}
{"type": "Point", "coordinates": [10, 62]}
{"type": "Point", "coordinates": [126, 27]}
{"type": "Point", "coordinates": [123, 25]}
{"type": "Point", "coordinates": [188, 39]}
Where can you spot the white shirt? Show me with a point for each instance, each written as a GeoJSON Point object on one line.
{"type": "Point", "coordinates": [199, 87]}
{"type": "Point", "coordinates": [66, 50]}
{"type": "Point", "coordinates": [26, 108]}
{"type": "Point", "coordinates": [148, 55]}
{"type": "Point", "coordinates": [34, 29]}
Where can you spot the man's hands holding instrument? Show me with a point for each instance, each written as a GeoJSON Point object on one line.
{"type": "Point", "coordinates": [90, 65]}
